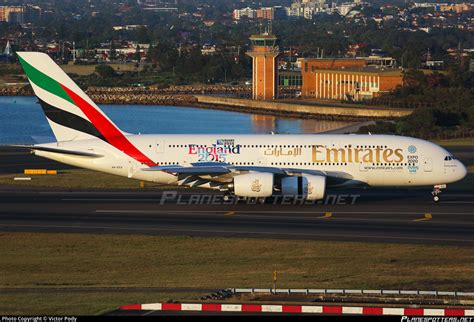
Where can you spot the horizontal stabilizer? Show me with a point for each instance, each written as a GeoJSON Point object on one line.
{"type": "Point", "coordinates": [57, 150]}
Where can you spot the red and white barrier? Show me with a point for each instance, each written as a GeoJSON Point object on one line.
{"type": "Point", "coordinates": [323, 309]}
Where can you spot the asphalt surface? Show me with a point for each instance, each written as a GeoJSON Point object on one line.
{"type": "Point", "coordinates": [15, 160]}
{"type": "Point", "coordinates": [372, 215]}
{"type": "Point", "coordinates": [200, 313]}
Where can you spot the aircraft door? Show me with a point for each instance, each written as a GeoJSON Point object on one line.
{"type": "Point", "coordinates": [428, 165]}
{"type": "Point", "coordinates": [132, 168]}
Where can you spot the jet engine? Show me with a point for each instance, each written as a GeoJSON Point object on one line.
{"type": "Point", "coordinates": [253, 185]}
{"type": "Point", "coordinates": [307, 187]}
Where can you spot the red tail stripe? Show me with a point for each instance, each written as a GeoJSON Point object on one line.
{"type": "Point", "coordinates": [108, 130]}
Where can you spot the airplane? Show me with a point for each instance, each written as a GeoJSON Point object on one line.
{"type": "Point", "coordinates": [244, 166]}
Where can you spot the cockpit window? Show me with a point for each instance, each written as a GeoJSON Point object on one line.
{"type": "Point", "coordinates": [449, 158]}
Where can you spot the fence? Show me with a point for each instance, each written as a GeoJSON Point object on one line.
{"type": "Point", "coordinates": [308, 291]}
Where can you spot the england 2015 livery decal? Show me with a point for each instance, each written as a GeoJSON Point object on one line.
{"type": "Point", "coordinates": [68, 109]}
{"type": "Point", "coordinates": [216, 152]}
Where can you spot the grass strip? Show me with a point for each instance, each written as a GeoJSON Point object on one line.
{"type": "Point", "coordinates": [93, 260]}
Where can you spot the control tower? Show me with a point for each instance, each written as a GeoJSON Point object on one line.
{"type": "Point", "coordinates": [264, 55]}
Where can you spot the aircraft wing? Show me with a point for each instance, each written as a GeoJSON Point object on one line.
{"type": "Point", "coordinates": [219, 168]}
{"type": "Point", "coordinates": [193, 170]}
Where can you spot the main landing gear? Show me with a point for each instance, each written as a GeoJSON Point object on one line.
{"type": "Point", "coordinates": [437, 191]}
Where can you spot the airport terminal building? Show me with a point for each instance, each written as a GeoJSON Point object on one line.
{"type": "Point", "coordinates": [346, 79]}
{"type": "Point", "coordinates": [351, 79]}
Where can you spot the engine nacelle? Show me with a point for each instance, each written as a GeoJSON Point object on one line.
{"type": "Point", "coordinates": [307, 187]}
{"type": "Point", "coordinates": [253, 185]}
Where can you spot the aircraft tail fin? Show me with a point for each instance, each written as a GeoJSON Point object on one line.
{"type": "Point", "coordinates": [71, 114]}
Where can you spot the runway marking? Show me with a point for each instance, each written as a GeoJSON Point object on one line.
{"type": "Point", "coordinates": [427, 216]}
{"type": "Point", "coordinates": [326, 215]}
{"type": "Point", "coordinates": [236, 232]}
{"type": "Point", "coordinates": [256, 211]}
{"type": "Point", "coordinates": [230, 213]}
{"type": "Point", "coordinates": [459, 202]}
{"type": "Point", "coordinates": [108, 199]}
{"type": "Point", "coordinates": [280, 221]}
{"type": "Point", "coordinates": [149, 312]}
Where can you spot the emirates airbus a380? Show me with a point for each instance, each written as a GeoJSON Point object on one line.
{"type": "Point", "coordinates": [257, 166]}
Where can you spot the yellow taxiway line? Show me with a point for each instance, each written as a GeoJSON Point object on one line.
{"type": "Point", "coordinates": [427, 216]}
{"type": "Point", "coordinates": [326, 215]}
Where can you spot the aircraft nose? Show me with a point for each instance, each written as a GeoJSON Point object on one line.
{"type": "Point", "coordinates": [461, 170]}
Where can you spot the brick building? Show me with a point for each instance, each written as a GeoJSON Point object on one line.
{"type": "Point", "coordinates": [346, 79]}
{"type": "Point", "coordinates": [20, 14]}
{"type": "Point", "coordinates": [456, 7]}
{"type": "Point", "coordinates": [265, 13]}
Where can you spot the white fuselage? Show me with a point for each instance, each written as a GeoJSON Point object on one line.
{"type": "Point", "coordinates": [376, 160]}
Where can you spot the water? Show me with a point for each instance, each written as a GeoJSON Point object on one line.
{"type": "Point", "coordinates": [22, 121]}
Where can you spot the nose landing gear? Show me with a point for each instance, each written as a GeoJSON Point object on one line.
{"type": "Point", "coordinates": [437, 191]}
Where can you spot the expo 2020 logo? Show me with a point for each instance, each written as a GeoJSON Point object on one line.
{"type": "Point", "coordinates": [412, 149]}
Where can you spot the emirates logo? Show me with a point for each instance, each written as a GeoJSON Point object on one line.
{"type": "Point", "coordinates": [256, 186]}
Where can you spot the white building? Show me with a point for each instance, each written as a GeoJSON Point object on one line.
{"type": "Point", "coordinates": [128, 27]}
{"type": "Point", "coordinates": [245, 12]}
{"type": "Point", "coordinates": [345, 8]}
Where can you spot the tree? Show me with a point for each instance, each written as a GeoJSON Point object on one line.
{"type": "Point", "coordinates": [143, 35]}
{"type": "Point", "coordinates": [105, 71]}
{"type": "Point", "coordinates": [113, 52]}
{"type": "Point", "coordinates": [137, 56]}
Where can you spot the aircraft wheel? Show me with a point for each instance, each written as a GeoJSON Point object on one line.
{"type": "Point", "coordinates": [436, 198]}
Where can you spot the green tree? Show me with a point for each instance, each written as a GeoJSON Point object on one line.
{"type": "Point", "coordinates": [137, 56]}
{"type": "Point", "coordinates": [105, 71]}
{"type": "Point", "coordinates": [113, 52]}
